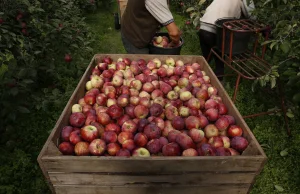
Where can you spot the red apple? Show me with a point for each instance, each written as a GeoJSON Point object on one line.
{"type": "Point", "coordinates": [110, 137]}
{"type": "Point", "coordinates": [115, 111]}
{"type": "Point", "coordinates": [82, 149]}
{"type": "Point", "coordinates": [89, 133]}
{"type": "Point", "coordinates": [129, 126]}
{"type": "Point", "coordinates": [216, 141]}
{"type": "Point", "coordinates": [178, 123]}
{"type": "Point", "coordinates": [103, 118]}
{"type": "Point", "coordinates": [212, 114]}
{"type": "Point", "coordinates": [222, 123]}
{"type": "Point", "coordinates": [101, 99]}
{"type": "Point", "coordinates": [210, 103]}
{"type": "Point", "coordinates": [97, 147]}
{"type": "Point", "coordinates": [77, 119]}
{"type": "Point", "coordinates": [152, 131]}
{"type": "Point", "coordinates": [75, 137]}
{"type": "Point", "coordinates": [113, 127]}
{"type": "Point", "coordinates": [113, 148]}
{"type": "Point", "coordinates": [154, 146]}
{"type": "Point", "coordinates": [239, 143]}
{"type": "Point", "coordinates": [221, 151]}
{"type": "Point", "coordinates": [230, 119]}
{"type": "Point", "coordinates": [190, 152]}
{"type": "Point", "coordinates": [233, 152]}
{"type": "Point", "coordinates": [142, 124]}
{"type": "Point", "coordinates": [128, 144]}
{"type": "Point", "coordinates": [123, 136]}
{"type": "Point", "coordinates": [185, 141]}
{"type": "Point", "coordinates": [129, 110]}
{"type": "Point", "coordinates": [156, 110]}
{"type": "Point", "coordinates": [65, 133]}
{"type": "Point", "coordinates": [196, 134]}
{"type": "Point", "coordinates": [222, 109]}
{"type": "Point", "coordinates": [206, 150]}
{"type": "Point", "coordinates": [171, 149]}
{"type": "Point", "coordinates": [192, 122]}
{"type": "Point", "coordinates": [123, 152]}
{"type": "Point", "coordinates": [122, 119]}
{"type": "Point", "coordinates": [141, 111]}
{"type": "Point", "coordinates": [234, 130]}
{"type": "Point", "coordinates": [172, 135]}
{"type": "Point", "coordinates": [66, 148]}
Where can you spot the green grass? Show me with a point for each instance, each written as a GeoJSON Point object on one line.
{"type": "Point", "coordinates": [20, 172]}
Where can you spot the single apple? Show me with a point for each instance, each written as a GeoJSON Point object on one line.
{"type": "Point", "coordinates": [82, 149]}
{"type": "Point", "coordinates": [66, 148]}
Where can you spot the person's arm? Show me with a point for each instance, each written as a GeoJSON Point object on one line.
{"type": "Point", "coordinates": [248, 8]}
{"type": "Point", "coordinates": [161, 12]}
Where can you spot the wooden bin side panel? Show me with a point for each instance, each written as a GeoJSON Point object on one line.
{"type": "Point", "coordinates": [152, 165]}
{"type": "Point", "coordinates": [153, 189]}
{"type": "Point", "coordinates": [119, 179]}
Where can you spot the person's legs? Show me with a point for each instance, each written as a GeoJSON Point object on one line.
{"type": "Point", "coordinates": [131, 49]}
{"type": "Point", "coordinates": [207, 41]}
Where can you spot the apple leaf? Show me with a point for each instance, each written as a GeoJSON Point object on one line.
{"type": "Point", "coordinates": [201, 2]}
{"type": "Point", "coordinates": [285, 47]}
{"type": "Point", "coordinates": [190, 9]}
{"type": "Point", "coordinates": [22, 109]}
{"type": "Point", "coordinates": [284, 152]}
{"type": "Point", "coordinates": [290, 115]}
{"type": "Point", "coordinates": [279, 188]}
{"type": "Point", "coordinates": [273, 82]}
{"type": "Point", "coordinates": [296, 97]}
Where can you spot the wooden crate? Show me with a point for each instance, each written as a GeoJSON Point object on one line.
{"type": "Point", "coordinates": [167, 175]}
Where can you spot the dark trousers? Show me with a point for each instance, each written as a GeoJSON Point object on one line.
{"type": "Point", "coordinates": [131, 49]}
{"type": "Point", "coordinates": [207, 41]}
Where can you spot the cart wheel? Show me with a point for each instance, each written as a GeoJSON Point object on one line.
{"type": "Point", "coordinates": [117, 21]}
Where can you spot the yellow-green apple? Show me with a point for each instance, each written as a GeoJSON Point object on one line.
{"type": "Point", "coordinates": [140, 152]}
{"type": "Point", "coordinates": [144, 94]}
{"type": "Point", "coordinates": [186, 95]}
{"type": "Point", "coordinates": [88, 85]}
{"type": "Point", "coordinates": [170, 61]}
{"type": "Point", "coordinates": [206, 79]}
{"type": "Point", "coordinates": [157, 62]}
{"type": "Point", "coordinates": [172, 95]}
{"type": "Point", "coordinates": [97, 81]}
{"type": "Point", "coordinates": [183, 82]}
{"type": "Point", "coordinates": [117, 81]}
{"type": "Point", "coordinates": [76, 108]}
{"type": "Point", "coordinates": [184, 111]}
{"type": "Point", "coordinates": [179, 63]}
{"type": "Point", "coordinates": [111, 102]}
{"type": "Point", "coordinates": [212, 91]}
{"type": "Point", "coordinates": [226, 141]}
{"type": "Point", "coordinates": [136, 84]}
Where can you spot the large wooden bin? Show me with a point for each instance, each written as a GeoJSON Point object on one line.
{"type": "Point", "coordinates": [153, 175]}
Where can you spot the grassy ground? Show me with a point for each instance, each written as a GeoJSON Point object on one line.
{"type": "Point", "coordinates": [20, 172]}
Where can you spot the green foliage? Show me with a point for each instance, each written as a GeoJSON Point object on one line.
{"type": "Point", "coordinates": [35, 36]}
{"type": "Point", "coordinates": [284, 43]}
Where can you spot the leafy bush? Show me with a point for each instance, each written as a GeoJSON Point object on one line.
{"type": "Point", "coordinates": [284, 43]}
{"type": "Point", "coordinates": [35, 37]}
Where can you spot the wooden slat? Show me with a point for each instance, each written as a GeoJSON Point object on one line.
{"type": "Point", "coordinates": [151, 165]}
{"type": "Point", "coordinates": [107, 179]}
{"type": "Point", "coordinates": [154, 189]}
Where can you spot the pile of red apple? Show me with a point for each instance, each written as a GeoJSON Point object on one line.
{"type": "Point", "coordinates": [150, 108]}
{"type": "Point", "coordinates": [164, 42]}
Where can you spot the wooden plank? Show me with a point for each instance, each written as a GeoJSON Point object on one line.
{"type": "Point", "coordinates": [108, 179]}
{"type": "Point", "coordinates": [154, 189]}
{"type": "Point", "coordinates": [152, 164]}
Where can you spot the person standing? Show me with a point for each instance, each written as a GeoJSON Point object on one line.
{"type": "Point", "coordinates": [216, 10]}
{"type": "Point", "coordinates": [140, 22]}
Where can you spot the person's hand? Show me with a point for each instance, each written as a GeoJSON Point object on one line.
{"type": "Point", "coordinates": [174, 33]}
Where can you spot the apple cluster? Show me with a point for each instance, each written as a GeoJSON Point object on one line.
{"type": "Point", "coordinates": [150, 108]}
{"type": "Point", "coordinates": [164, 42]}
